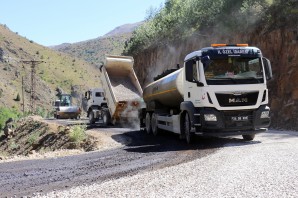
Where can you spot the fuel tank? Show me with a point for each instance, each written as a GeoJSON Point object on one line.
{"type": "Point", "coordinates": [167, 90]}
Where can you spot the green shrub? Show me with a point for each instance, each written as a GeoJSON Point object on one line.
{"type": "Point", "coordinates": [33, 138]}
{"type": "Point", "coordinates": [77, 133]}
{"type": "Point", "coordinates": [41, 112]}
{"type": "Point", "coordinates": [6, 113]}
{"type": "Point", "coordinates": [13, 145]}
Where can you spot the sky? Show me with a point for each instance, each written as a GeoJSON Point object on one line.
{"type": "Point", "coordinates": [53, 22]}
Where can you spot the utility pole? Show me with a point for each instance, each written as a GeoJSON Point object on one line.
{"type": "Point", "coordinates": [23, 97]}
{"type": "Point", "coordinates": [33, 63]}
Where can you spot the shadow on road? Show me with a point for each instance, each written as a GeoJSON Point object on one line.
{"type": "Point", "coordinates": [166, 141]}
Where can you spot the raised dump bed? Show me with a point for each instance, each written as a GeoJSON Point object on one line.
{"type": "Point", "coordinates": [121, 87]}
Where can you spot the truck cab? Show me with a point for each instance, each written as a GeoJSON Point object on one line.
{"type": "Point", "coordinates": [95, 97]}
{"type": "Point", "coordinates": [96, 104]}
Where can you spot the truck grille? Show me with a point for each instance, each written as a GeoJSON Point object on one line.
{"type": "Point", "coordinates": [243, 99]}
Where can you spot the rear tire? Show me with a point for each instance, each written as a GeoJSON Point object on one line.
{"type": "Point", "coordinates": [148, 123]}
{"type": "Point", "coordinates": [248, 137]}
{"type": "Point", "coordinates": [154, 126]}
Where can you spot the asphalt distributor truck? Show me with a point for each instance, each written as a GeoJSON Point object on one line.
{"type": "Point", "coordinates": [220, 91]}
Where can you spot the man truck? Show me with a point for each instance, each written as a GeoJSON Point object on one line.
{"type": "Point", "coordinates": [220, 91]}
{"type": "Point", "coordinates": [120, 97]}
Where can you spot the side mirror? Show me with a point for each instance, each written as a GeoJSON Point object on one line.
{"type": "Point", "coordinates": [200, 84]}
{"type": "Point", "coordinates": [189, 71]}
{"type": "Point", "coordinates": [205, 60]}
{"type": "Point", "coordinates": [268, 69]}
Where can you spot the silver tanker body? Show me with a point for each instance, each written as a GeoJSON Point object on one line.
{"type": "Point", "coordinates": [167, 91]}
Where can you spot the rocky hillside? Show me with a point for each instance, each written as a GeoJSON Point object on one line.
{"type": "Point", "coordinates": [56, 70]}
{"type": "Point", "coordinates": [278, 40]}
{"type": "Point", "coordinates": [94, 50]}
{"type": "Point", "coordinates": [33, 134]}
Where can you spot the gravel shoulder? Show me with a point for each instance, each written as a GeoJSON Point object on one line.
{"type": "Point", "coordinates": [266, 167]}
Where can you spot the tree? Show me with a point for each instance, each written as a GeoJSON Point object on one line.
{"type": "Point", "coordinates": [18, 98]}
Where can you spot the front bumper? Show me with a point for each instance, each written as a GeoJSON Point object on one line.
{"type": "Point", "coordinates": [240, 122]}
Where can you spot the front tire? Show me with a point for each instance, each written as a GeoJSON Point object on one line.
{"type": "Point", "coordinates": [105, 117]}
{"type": "Point", "coordinates": [248, 137]}
{"type": "Point", "coordinates": [91, 117]}
{"type": "Point", "coordinates": [186, 128]}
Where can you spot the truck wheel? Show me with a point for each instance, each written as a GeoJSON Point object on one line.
{"type": "Point", "coordinates": [186, 128]}
{"type": "Point", "coordinates": [148, 123]}
{"type": "Point", "coordinates": [91, 117]}
{"type": "Point", "coordinates": [154, 126]}
{"type": "Point", "coordinates": [105, 118]}
{"type": "Point", "coordinates": [248, 137]}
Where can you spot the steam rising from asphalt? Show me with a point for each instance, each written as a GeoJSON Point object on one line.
{"type": "Point", "coordinates": [131, 114]}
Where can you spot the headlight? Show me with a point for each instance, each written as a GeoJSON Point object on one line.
{"type": "Point", "coordinates": [265, 114]}
{"type": "Point", "coordinates": [210, 117]}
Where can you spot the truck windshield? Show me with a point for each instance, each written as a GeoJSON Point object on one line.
{"type": "Point", "coordinates": [234, 70]}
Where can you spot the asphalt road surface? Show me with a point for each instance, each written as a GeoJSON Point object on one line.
{"type": "Point", "coordinates": [143, 154]}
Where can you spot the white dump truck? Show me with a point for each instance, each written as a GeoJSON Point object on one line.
{"type": "Point", "coordinates": [220, 91]}
{"type": "Point", "coordinates": [120, 97]}
{"type": "Point", "coordinates": [95, 104]}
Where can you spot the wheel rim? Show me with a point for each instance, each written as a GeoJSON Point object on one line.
{"type": "Point", "coordinates": [154, 124]}
{"type": "Point", "coordinates": [148, 123]}
{"type": "Point", "coordinates": [187, 128]}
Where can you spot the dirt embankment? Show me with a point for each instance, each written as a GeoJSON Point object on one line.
{"type": "Point", "coordinates": [278, 44]}
{"type": "Point", "coordinates": [34, 136]}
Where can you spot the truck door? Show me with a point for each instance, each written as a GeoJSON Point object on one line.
{"type": "Point", "coordinates": [192, 84]}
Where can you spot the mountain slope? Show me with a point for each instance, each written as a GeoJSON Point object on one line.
{"type": "Point", "coordinates": [94, 50]}
{"type": "Point", "coordinates": [57, 70]}
{"type": "Point", "coordinates": [123, 29]}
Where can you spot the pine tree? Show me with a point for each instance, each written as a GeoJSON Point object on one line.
{"type": "Point", "coordinates": [18, 98]}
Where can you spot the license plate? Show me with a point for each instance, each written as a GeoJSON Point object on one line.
{"type": "Point", "coordinates": [239, 118]}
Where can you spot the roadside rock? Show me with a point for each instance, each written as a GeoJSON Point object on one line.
{"type": "Point", "coordinates": [8, 128]}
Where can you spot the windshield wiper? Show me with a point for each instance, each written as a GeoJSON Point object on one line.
{"type": "Point", "coordinates": [252, 78]}
{"type": "Point", "coordinates": [226, 78]}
